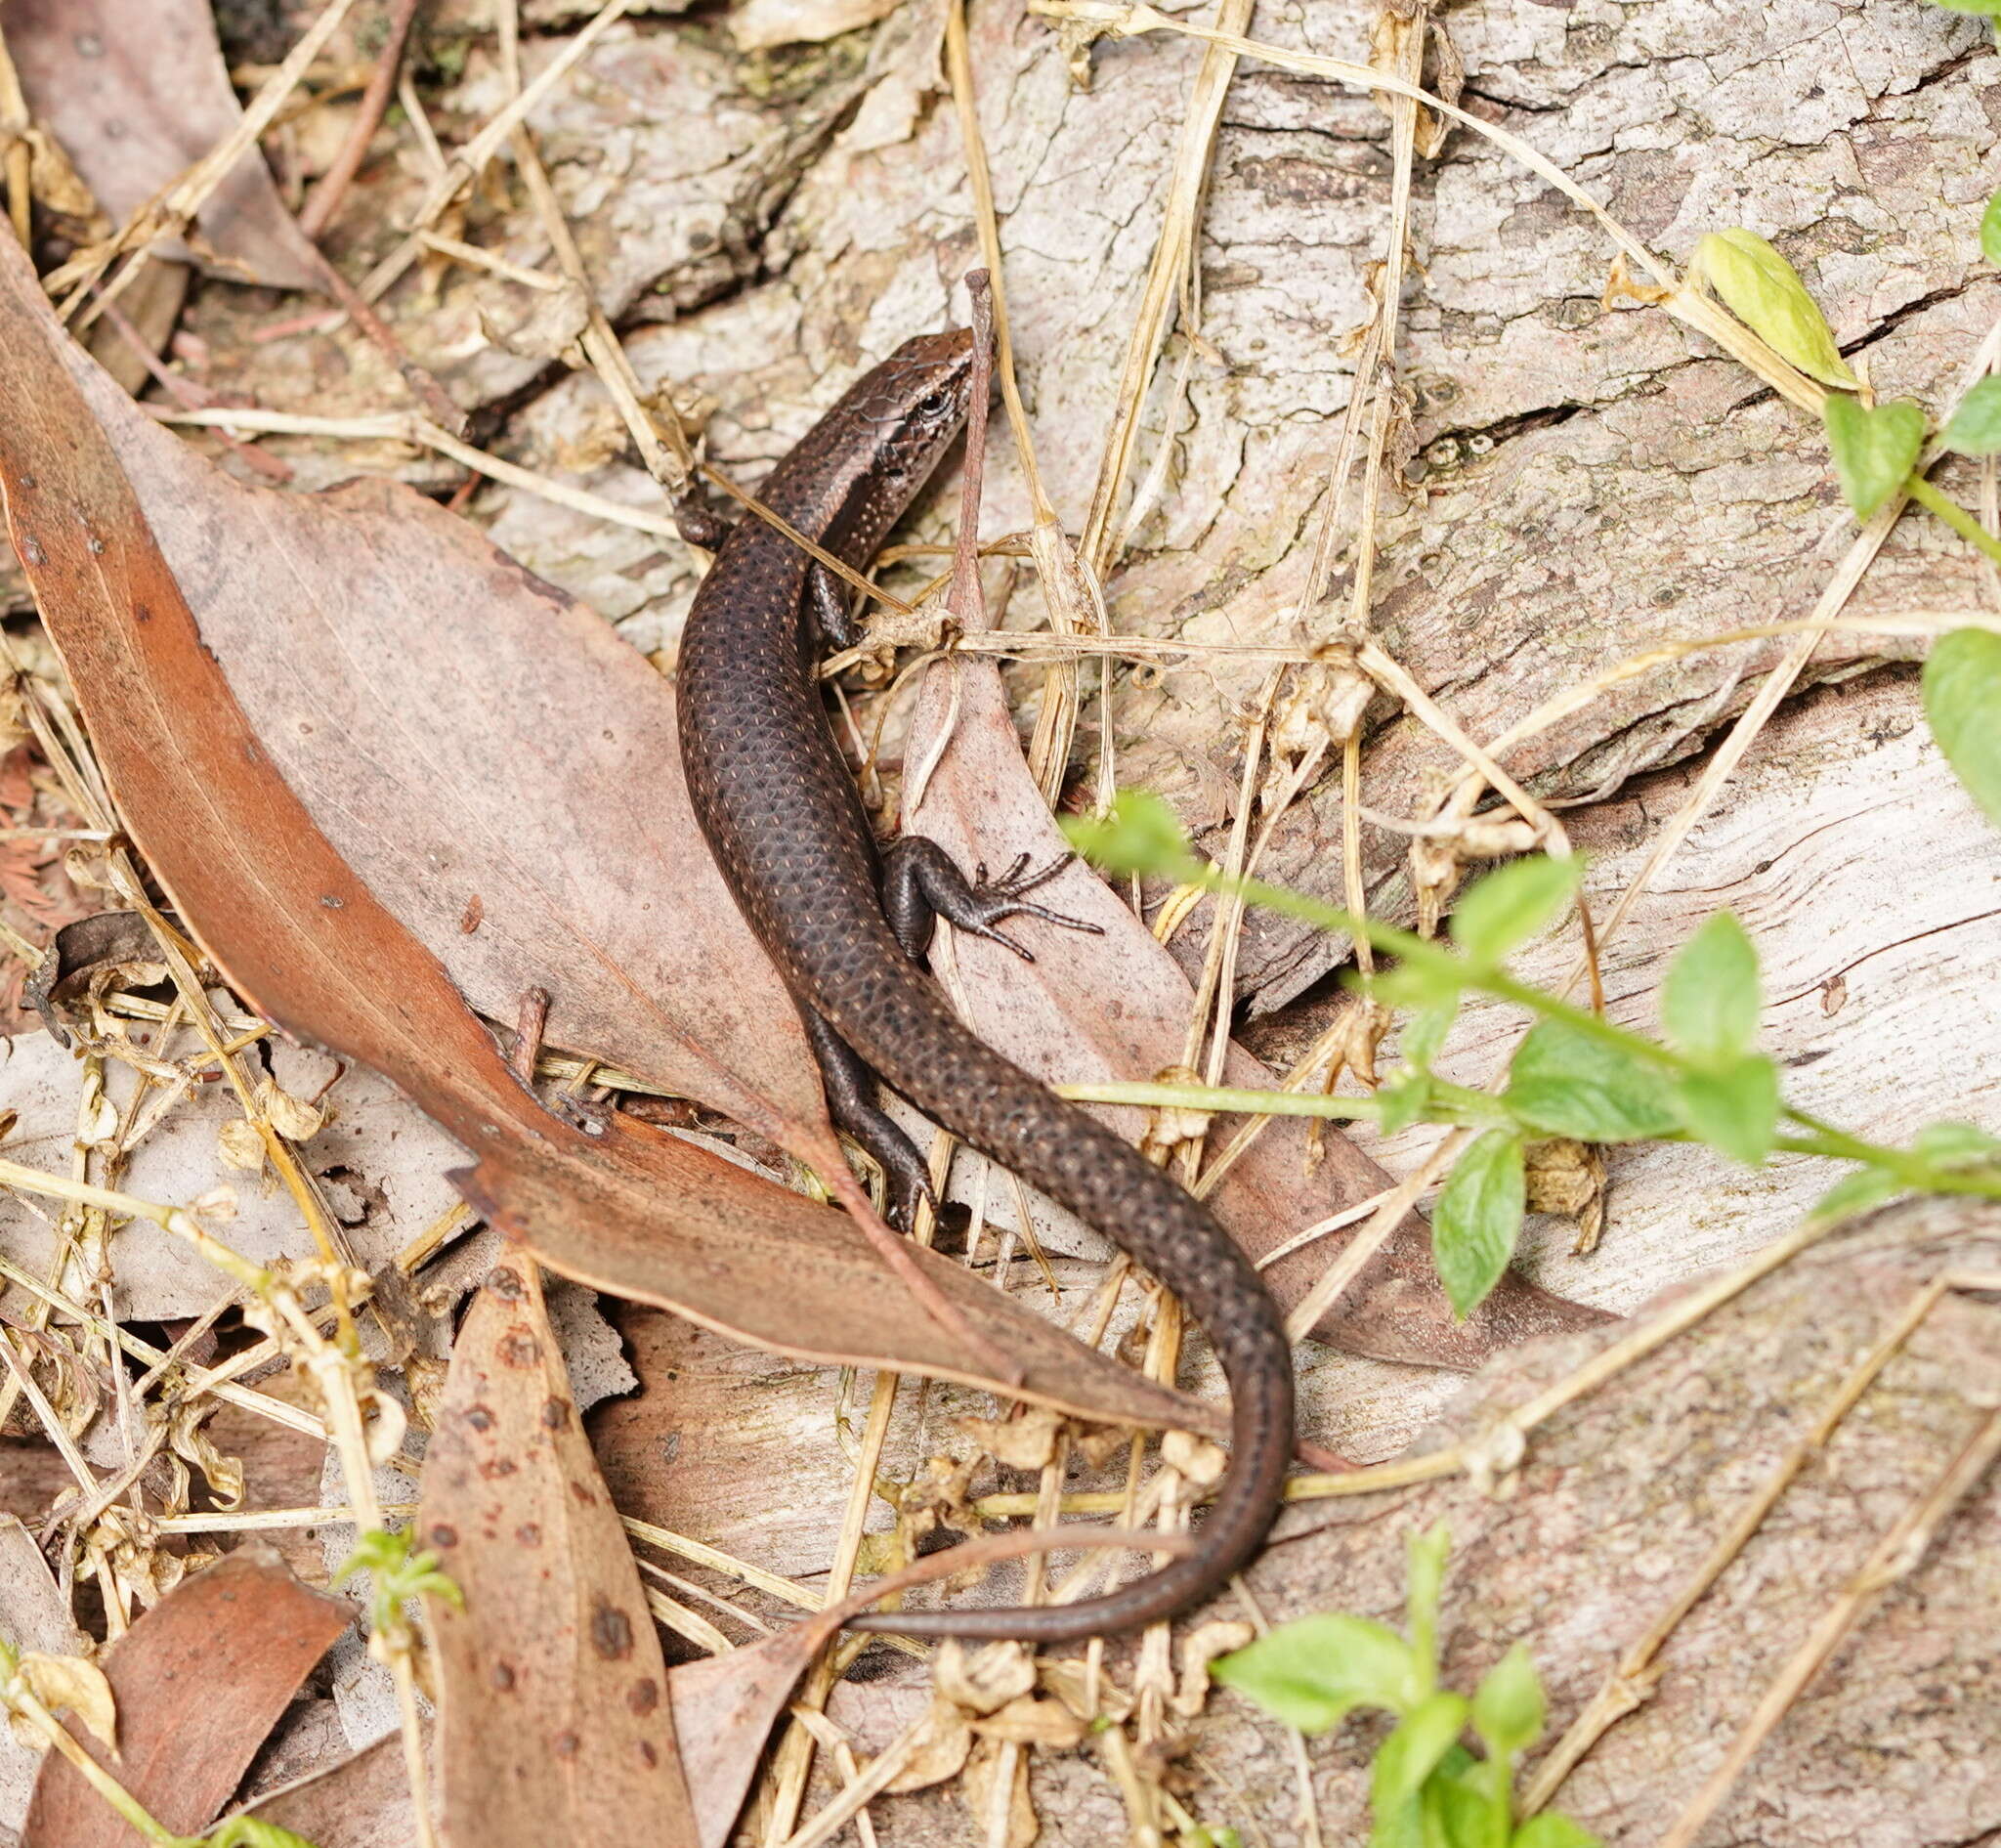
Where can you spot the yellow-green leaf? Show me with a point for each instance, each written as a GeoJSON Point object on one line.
{"type": "Point", "coordinates": [68, 1683]}
{"type": "Point", "coordinates": [1765, 293]}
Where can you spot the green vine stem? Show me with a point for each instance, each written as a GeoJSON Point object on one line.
{"type": "Point", "coordinates": [1954, 515]}
{"type": "Point", "coordinates": [1424, 959]}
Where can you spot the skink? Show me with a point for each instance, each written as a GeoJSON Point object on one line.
{"type": "Point", "coordinates": [845, 927]}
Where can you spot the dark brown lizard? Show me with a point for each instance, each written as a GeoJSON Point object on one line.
{"type": "Point", "coordinates": [845, 927]}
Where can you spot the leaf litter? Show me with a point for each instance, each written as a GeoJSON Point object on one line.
{"type": "Point", "coordinates": [526, 1186]}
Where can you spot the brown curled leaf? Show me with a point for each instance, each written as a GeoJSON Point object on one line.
{"type": "Point", "coordinates": [310, 941]}
{"type": "Point", "coordinates": [360, 1802]}
{"type": "Point", "coordinates": [199, 1681]}
{"type": "Point", "coordinates": [554, 1723]}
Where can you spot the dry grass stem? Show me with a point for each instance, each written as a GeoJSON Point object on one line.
{"type": "Point", "coordinates": [1893, 1556]}
{"type": "Point", "coordinates": [468, 162]}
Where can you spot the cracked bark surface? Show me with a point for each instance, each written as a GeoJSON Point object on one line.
{"type": "Point", "coordinates": [1595, 482]}
{"type": "Point", "coordinates": [1616, 1504]}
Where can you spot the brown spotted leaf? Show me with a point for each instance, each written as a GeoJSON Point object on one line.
{"type": "Point", "coordinates": [136, 92]}
{"type": "Point", "coordinates": [1052, 1016]}
{"type": "Point", "coordinates": [198, 1680]}
{"type": "Point", "coordinates": [554, 1724]}
{"type": "Point", "coordinates": [312, 942]}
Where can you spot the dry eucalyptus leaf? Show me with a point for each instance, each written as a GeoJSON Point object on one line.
{"type": "Point", "coordinates": [1196, 1459]}
{"type": "Point", "coordinates": [943, 1743]}
{"type": "Point", "coordinates": [241, 1147]}
{"type": "Point", "coordinates": [984, 1680]}
{"type": "Point", "coordinates": [646, 1214]}
{"type": "Point", "coordinates": [1201, 1646]}
{"type": "Point", "coordinates": [199, 1681]}
{"type": "Point", "coordinates": [135, 91]}
{"type": "Point", "coordinates": [35, 1615]}
{"type": "Point", "coordinates": [1050, 1017]}
{"type": "Point", "coordinates": [295, 1121]}
{"type": "Point", "coordinates": [553, 1719]}
{"type": "Point", "coordinates": [1032, 1720]}
{"type": "Point", "coordinates": [1569, 1179]}
{"type": "Point", "coordinates": [1026, 1443]}
{"type": "Point", "coordinates": [988, 1798]}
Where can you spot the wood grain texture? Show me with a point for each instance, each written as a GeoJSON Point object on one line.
{"type": "Point", "coordinates": [1616, 1503]}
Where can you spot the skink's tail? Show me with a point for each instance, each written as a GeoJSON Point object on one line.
{"type": "Point", "coordinates": [1000, 1110]}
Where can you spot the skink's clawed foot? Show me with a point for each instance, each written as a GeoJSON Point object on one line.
{"type": "Point", "coordinates": [992, 900]}
{"type": "Point", "coordinates": [907, 1192]}
{"type": "Point", "coordinates": [920, 881]}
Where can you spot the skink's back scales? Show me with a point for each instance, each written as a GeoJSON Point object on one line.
{"type": "Point", "coordinates": [787, 829]}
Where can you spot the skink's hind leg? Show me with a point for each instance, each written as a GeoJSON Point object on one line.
{"type": "Point", "coordinates": [851, 1100]}
{"type": "Point", "coordinates": [920, 883]}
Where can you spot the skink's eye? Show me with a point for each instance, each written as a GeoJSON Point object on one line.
{"type": "Point", "coordinates": [934, 405]}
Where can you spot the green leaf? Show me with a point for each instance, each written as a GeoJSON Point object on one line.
{"type": "Point", "coordinates": [1402, 1827]}
{"type": "Point", "coordinates": [1856, 1195]}
{"type": "Point", "coordinates": [1565, 1081]}
{"type": "Point", "coordinates": [1402, 1101]}
{"type": "Point", "coordinates": [1140, 835]}
{"type": "Point", "coordinates": [1975, 426]}
{"type": "Point", "coordinates": [1765, 293]}
{"type": "Point", "coordinates": [1709, 1001]}
{"type": "Point", "coordinates": [1735, 1109]}
{"type": "Point", "coordinates": [246, 1832]}
{"type": "Point", "coordinates": [1512, 905]}
{"type": "Point", "coordinates": [1423, 1034]}
{"type": "Point", "coordinates": [1312, 1672]}
{"type": "Point", "coordinates": [1991, 9]}
{"type": "Point", "coordinates": [1551, 1830]}
{"type": "Point", "coordinates": [1874, 450]}
{"type": "Point", "coordinates": [1423, 1592]}
{"type": "Point", "coordinates": [1991, 230]}
{"type": "Point", "coordinates": [1507, 1706]}
{"type": "Point", "coordinates": [1419, 984]}
{"type": "Point", "coordinates": [1956, 1146]}
{"type": "Point", "coordinates": [1463, 1816]}
{"type": "Point", "coordinates": [1963, 706]}
{"type": "Point", "coordinates": [1477, 1218]}
{"type": "Point", "coordinates": [1409, 1755]}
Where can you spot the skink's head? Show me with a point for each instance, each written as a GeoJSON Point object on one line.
{"type": "Point", "coordinates": [914, 404]}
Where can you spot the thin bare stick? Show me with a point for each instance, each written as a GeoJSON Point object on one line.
{"type": "Point", "coordinates": [318, 210]}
